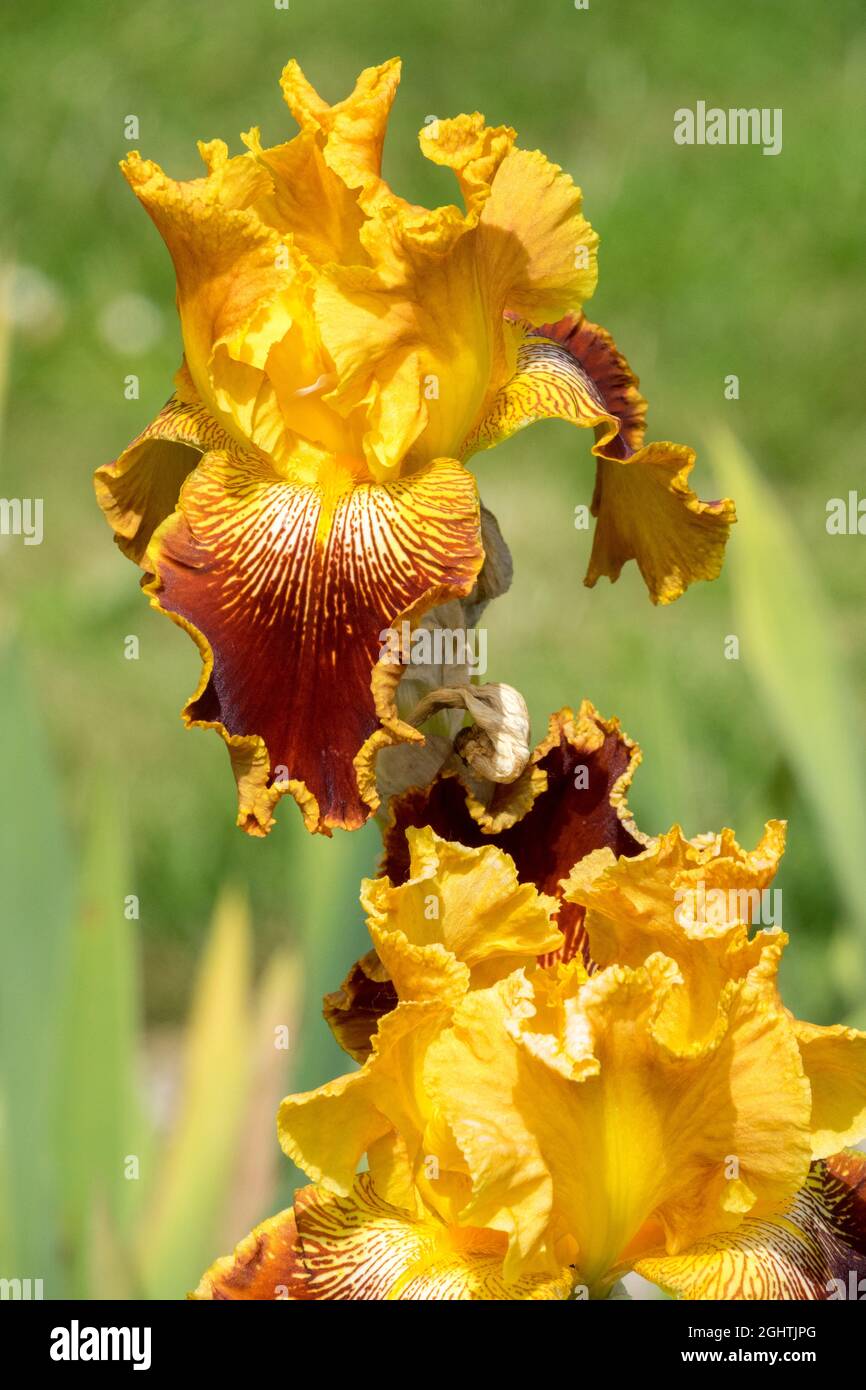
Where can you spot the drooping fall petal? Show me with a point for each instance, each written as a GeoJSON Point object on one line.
{"type": "Point", "coordinates": [286, 586]}
{"type": "Point", "coordinates": [815, 1250]}
{"type": "Point", "coordinates": [363, 1247]}
{"type": "Point", "coordinates": [267, 1264]}
{"type": "Point", "coordinates": [644, 507]}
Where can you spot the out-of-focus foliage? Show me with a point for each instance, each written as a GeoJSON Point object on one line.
{"type": "Point", "coordinates": [155, 1037]}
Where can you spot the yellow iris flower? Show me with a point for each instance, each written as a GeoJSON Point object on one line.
{"type": "Point", "coordinates": [542, 1110]}
{"type": "Point", "coordinates": [345, 353]}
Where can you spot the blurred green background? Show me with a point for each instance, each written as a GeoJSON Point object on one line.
{"type": "Point", "coordinates": [138, 1072]}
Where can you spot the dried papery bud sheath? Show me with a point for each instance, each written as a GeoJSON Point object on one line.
{"type": "Point", "coordinates": [496, 747]}
{"type": "Point", "coordinates": [442, 650]}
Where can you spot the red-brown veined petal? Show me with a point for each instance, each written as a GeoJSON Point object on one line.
{"type": "Point", "coordinates": [265, 1265]}
{"type": "Point", "coordinates": [353, 1011]}
{"type": "Point", "coordinates": [361, 1247]}
{"type": "Point", "coordinates": [286, 587]}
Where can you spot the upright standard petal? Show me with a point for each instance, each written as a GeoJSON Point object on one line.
{"type": "Point", "coordinates": [460, 919]}
{"type": "Point", "coordinates": [694, 902]}
{"type": "Point", "coordinates": [599, 1118]}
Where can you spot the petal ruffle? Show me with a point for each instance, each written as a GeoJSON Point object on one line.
{"type": "Point", "coordinates": [352, 130]}
{"type": "Point", "coordinates": [421, 335]}
{"type": "Point", "coordinates": [461, 919]}
{"type": "Point", "coordinates": [535, 242]}
{"type": "Point", "coordinates": [580, 1106]}
{"type": "Point", "coordinates": [647, 512]}
{"type": "Point", "coordinates": [570, 801]}
{"type": "Point", "coordinates": [815, 1251]}
{"type": "Point", "coordinates": [644, 507]}
{"type": "Point", "coordinates": [286, 587]}
{"type": "Point", "coordinates": [328, 1130]}
{"type": "Point", "coordinates": [834, 1059]}
{"type": "Point", "coordinates": [363, 1247]}
{"type": "Point", "coordinates": [141, 487]}
{"type": "Point", "coordinates": [694, 902]}
{"type": "Point", "coordinates": [240, 285]}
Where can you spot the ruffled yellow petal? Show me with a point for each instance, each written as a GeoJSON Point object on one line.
{"type": "Point", "coordinates": [309, 199]}
{"type": "Point", "coordinates": [364, 1247]}
{"type": "Point", "coordinates": [238, 285]}
{"type": "Point", "coordinates": [816, 1250]}
{"type": "Point", "coordinates": [287, 586]}
{"type": "Point", "coordinates": [834, 1059]}
{"type": "Point", "coordinates": [535, 242]}
{"type": "Point", "coordinates": [417, 336]}
{"type": "Point", "coordinates": [644, 507]}
{"type": "Point", "coordinates": [693, 902]}
{"type": "Point", "coordinates": [570, 801]}
{"type": "Point", "coordinates": [474, 151]}
{"type": "Point", "coordinates": [647, 512]}
{"type": "Point", "coordinates": [352, 130]}
{"type": "Point", "coordinates": [327, 1131]}
{"type": "Point", "coordinates": [461, 920]}
{"type": "Point", "coordinates": [595, 1113]}
{"type": "Point", "coordinates": [421, 336]}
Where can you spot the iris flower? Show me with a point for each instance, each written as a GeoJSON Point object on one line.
{"type": "Point", "coordinates": [541, 1111]}
{"type": "Point", "coordinates": [345, 353]}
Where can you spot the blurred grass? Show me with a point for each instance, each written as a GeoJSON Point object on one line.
{"type": "Point", "coordinates": [713, 261]}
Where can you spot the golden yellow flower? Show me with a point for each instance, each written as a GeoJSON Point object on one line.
{"type": "Point", "coordinates": [345, 352]}
{"type": "Point", "coordinates": [539, 1119]}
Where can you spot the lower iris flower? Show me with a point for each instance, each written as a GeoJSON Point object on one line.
{"type": "Point", "coordinates": [575, 1062]}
